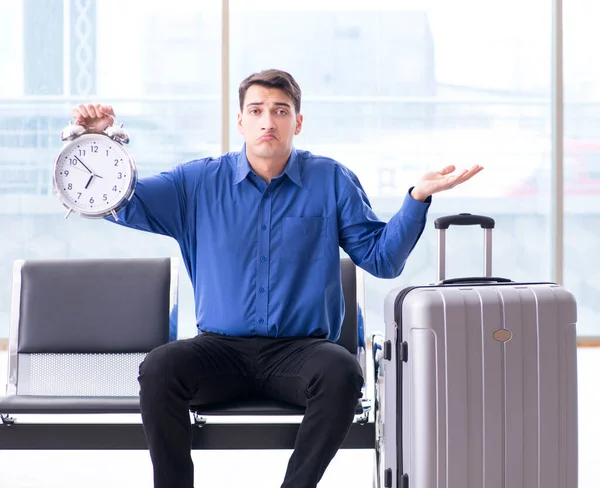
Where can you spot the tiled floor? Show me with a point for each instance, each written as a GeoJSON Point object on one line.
{"type": "Point", "coordinates": [260, 469]}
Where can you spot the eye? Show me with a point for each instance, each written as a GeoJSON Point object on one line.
{"type": "Point", "coordinates": [253, 111]}
{"type": "Point", "coordinates": [282, 112]}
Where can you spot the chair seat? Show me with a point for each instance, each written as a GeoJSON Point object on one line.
{"type": "Point", "coordinates": [37, 404]}
{"type": "Point", "coordinates": [254, 406]}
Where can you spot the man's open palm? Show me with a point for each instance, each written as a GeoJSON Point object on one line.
{"type": "Point", "coordinates": [437, 181]}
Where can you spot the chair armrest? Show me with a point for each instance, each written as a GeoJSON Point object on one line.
{"type": "Point", "coordinates": [32, 404]}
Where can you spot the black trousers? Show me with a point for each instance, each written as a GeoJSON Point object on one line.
{"type": "Point", "coordinates": [315, 373]}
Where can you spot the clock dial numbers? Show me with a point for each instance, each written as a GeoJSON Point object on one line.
{"type": "Point", "coordinates": [93, 175]}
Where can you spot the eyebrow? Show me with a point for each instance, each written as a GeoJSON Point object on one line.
{"type": "Point", "coordinates": [278, 104]}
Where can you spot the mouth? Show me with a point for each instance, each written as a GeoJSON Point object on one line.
{"type": "Point", "coordinates": [267, 137]}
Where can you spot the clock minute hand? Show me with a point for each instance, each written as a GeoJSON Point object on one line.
{"type": "Point", "coordinates": [81, 162]}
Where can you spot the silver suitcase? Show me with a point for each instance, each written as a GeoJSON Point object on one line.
{"type": "Point", "coordinates": [476, 382]}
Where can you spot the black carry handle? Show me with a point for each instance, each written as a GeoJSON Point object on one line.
{"type": "Point", "coordinates": [464, 219]}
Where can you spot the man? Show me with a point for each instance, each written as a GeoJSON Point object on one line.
{"type": "Point", "coordinates": [260, 232]}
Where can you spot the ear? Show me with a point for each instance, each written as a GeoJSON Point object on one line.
{"type": "Point", "coordinates": [299, 121]}
{"type": "Point", "coordinates": [240, 127]}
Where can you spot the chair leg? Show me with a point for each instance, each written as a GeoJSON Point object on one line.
{"type": "Point", "coordinates": [376, 467]}
{"type": "Point", "coordinates": [198, 420]}
{"type": "Point", "coordinates": [364, 417]}
{"type": "Point", "coordinates": [377, 341]}
{"type": "Point", "coordinates": [7, 419]}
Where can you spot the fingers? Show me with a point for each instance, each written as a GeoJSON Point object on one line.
{"type": "Point", "coordinates": [77, 115]}
{"type": "Point", "coordinates": [466, 175]}
{"type": "Point", "coordinates": [92, 111]}
{"type": "Point", "coordinates": [437, 182]}
{"type": "Point", "coordinates": [447, 170]}
{"type": "Point", "coordinates": [450, 181]}
{"type": "Point", "coordinates": [83, 114]}
{"type": "Point", "coordinates": [107, 110]}
{"type": "Point", "coordinates": [472, 172]}
{"type": "Point", "coordinates": [80, 112]}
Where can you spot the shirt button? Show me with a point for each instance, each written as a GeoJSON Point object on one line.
{"type": "Point", "coordinates": [260, 321]}
{"type": "Point", "coordinates": [261, 289]}
{"type": "Point", "coordinates": [263, 227]}
{"type": "Point", "coordinates": [263, 259]}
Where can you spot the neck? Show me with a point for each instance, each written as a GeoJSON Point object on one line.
{"type": "Point", "coordinates": [267, 168]}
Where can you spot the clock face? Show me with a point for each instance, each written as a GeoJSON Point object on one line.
{"type": "Point", "coordinates": [94, 175]}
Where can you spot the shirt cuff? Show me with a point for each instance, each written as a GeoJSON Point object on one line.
{"type": "Point", "coordinates": [414, 209]}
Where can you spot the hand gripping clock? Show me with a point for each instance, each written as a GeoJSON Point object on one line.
{"type": "Point", "coordinates": [94, 175]}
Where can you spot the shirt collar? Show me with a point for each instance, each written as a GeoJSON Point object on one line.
{"type": "Point", "coordinates": [292, 168]}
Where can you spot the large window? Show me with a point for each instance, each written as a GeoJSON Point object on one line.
{"type": "Point", "coordinates": [395, 89]}
{"type": "Point", "coordinates": [582, 162]}
{"type": "Point", "coordinates": [159, 66]}
{"type": "Point", "coordinates": [390, 88]}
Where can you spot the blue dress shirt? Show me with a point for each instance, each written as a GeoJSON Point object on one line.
{"type": "Point", "coordinates": [265, 259]}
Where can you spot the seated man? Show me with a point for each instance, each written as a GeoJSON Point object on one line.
{"type": "Point", "coordinates": [260, 232]}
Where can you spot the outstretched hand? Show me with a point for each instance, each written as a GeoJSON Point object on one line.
{"type": "Point", "coordinates": [438, 181]}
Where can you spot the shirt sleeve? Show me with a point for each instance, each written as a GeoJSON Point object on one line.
{"type": "Point", "coordinates": [379, 248]}
{"type": "Point", "coordinates": [159, 204]}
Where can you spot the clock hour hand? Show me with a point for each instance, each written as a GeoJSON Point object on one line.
{"type": "Point", "coordinates": [88, 182]}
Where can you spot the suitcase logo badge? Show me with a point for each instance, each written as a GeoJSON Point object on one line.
{"type": "Point", "coordinates": [502, 335]}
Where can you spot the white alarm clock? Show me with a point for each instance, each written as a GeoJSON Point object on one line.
{"type": "Point", "coordinates": [94, 175]}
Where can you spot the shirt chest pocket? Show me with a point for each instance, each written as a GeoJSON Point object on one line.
{"type": "Point", "coordinates": [305, 238]}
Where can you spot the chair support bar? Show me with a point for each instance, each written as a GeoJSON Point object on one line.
{"type": "Point", "coordinates": [212, 436]}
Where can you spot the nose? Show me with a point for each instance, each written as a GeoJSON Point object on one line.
{"type": "Point", "coordinates": [268, 122]}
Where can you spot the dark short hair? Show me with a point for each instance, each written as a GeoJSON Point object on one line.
{"type": "Point", "coordinates": [273, 78]}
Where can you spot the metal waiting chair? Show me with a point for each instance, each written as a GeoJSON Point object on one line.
{"type": "Point", "coordinates": [79, 330]}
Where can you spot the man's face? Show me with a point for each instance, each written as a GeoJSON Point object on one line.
{"type": "Point", "coordinates": [268, 122]}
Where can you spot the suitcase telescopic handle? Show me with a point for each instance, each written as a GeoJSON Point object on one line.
{"type": "Point", "coordinates": [442, 223]}
{"type": "Point", "coordinates": [475, 280]}
{"type": "Point", "coordinates": [464, 219]}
